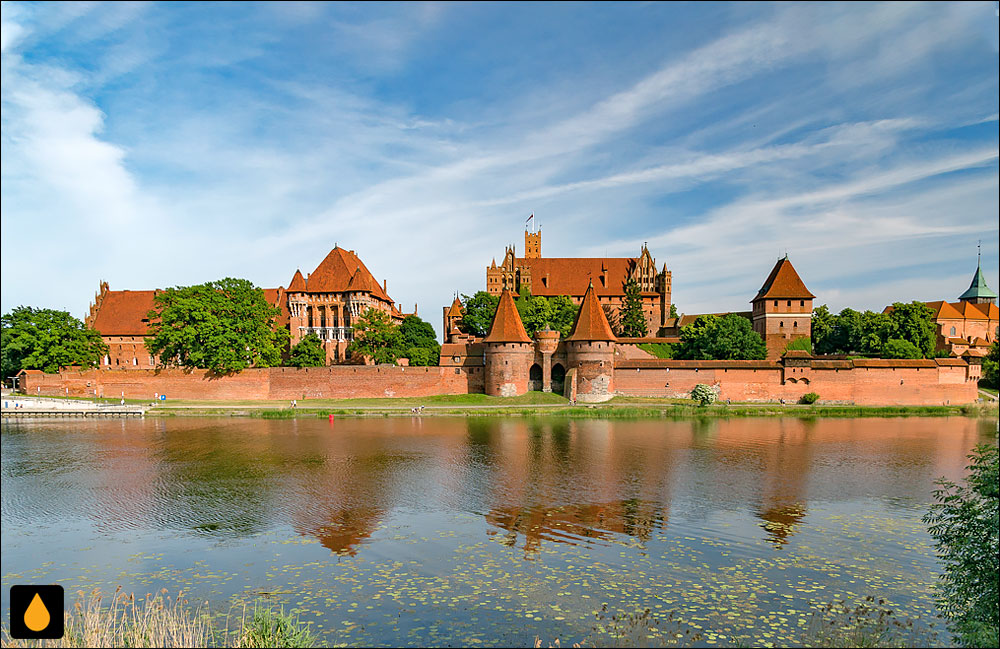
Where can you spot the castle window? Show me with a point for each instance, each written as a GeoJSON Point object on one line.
{"type": "Point", "coordinates": [802, 302]}
{"type": "Point", "coordinates": [795, 324]}
{"type": "Point", "coordinates": [781, 324]}
{"type": "Point", "coordinates": [775, 303]}
{"type": "Point", "coordinates": [953, 331]}
{"type": "Point", "coordinates": [789, 303]}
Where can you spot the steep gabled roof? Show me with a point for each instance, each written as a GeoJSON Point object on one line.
{"type": "Point", "coordinates": [507, 326]}
{"type": "Point", "coordinates": [123, 313]}
{"type": "Point", "coordinates": [362, 281]}
{"type": "Point", "coordinates": [335, 272]}
{"type": "Point", "coordinates": [978, 287]}
{"type": "Point", "coordinates": [455, 311]}
{"type": "Point", "coordinates": [969, 311]}
{"type": "Point", "coordinates": [298, 283]}
{"type": "Point", "coordinates": [944, 311]}
{"type": "Point", "coordinates": [591, 323]}
{"type": "Point", "coordinates": [783, 282]}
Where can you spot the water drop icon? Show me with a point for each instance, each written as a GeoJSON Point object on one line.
{"type": "Point", "coordinates": [36, 617]}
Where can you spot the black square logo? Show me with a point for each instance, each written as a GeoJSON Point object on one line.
{"type": "Point", "coordinates": [36, 612]}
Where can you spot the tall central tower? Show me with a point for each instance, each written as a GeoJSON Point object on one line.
{"type": "Point", "coordinates": [533, 244]}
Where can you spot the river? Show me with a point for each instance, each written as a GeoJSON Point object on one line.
{"type": "Point", "coordinates": [488, 531]}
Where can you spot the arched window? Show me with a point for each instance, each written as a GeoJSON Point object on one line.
{"type": "Point", "coordinates": [795, 324]}
{"type": "Point", "coordinates": [953, 332]}
{"type": "Point", "coordinates": [781, 324]}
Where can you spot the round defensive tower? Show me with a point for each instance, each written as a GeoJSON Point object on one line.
{"type": "Point", "coordinates": [590, 351]}
{"type": "Point", "coordinates": [508, 351]}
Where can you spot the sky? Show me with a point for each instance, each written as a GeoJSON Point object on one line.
{"type": "Point", "coordinates": [154, 145]}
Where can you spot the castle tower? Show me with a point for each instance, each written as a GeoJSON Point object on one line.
{"type": "Point", "coordinates": [507, 351]}
{"type": "Point", "coordinates": [590, 350]}
{"type": "Point", "coordinates": [452, 316]}
{"type": "Point", "coordinates": [532, 244]}
{"type": "Point", "coordinates": [782, 309]}
{"type": "Point", "coordinates": [979, 292]}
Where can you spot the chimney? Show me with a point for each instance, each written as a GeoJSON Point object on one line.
{"type": "Point", "coordinates": [385, 286]}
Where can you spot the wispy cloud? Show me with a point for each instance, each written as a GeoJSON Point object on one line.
{"type": "Point", "coordinates": [153, 146]}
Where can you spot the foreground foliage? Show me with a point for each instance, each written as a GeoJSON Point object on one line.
{"type": "Point", "coordinates": [225, 326]}
{"type": "Point", "coordinates": [966, 529]}
{"type": "Point", "coordinates": [45, 339]}
{"type": "Point", "coordinates": [161, 621]}
{"type": "Point", "coordinates": [990, 364]}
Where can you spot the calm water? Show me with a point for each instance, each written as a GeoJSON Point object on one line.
{"type": "Point", "coordinates": [464, 531]}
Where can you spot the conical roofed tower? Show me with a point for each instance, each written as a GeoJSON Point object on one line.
{"type": "Point", "coordinates": [507, 326]}
{"type": "Point", "coordinates": [591, 322]}
{"type": "Point", "coordinates": [507, 351]}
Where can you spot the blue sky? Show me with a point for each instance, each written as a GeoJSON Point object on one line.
{"type": "Point", "coordinates": [155, 145]}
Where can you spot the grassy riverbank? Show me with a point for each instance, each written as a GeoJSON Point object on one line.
{"type": "Point", "coordinates": [543, 404]}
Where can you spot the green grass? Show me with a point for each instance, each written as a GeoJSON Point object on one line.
{"type": "Point", "coordinates": [659, 350]}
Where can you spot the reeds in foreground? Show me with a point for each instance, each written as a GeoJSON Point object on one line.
{"type": "Point", "coordinates": [161, 621]}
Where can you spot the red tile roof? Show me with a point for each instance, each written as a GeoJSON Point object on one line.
{"type": "Point", "coordinates": [298, 283]}
{"type": "Point", "coordinates": [455, 311]}
{"type": "Point", "coordinates": [552, 276]}
{"type": "Point", "coordinates": [591, 323]}
{"type": "Point", "coordinates": [783, 282]}
{"type": "Point", "coordinates": [336, 272]}
{"type": "Point", "coordinates": [507, 326]}
{"type": "Point", "coordinates": [123, 313]}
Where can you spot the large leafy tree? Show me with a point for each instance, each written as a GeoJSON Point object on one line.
{"type": "Point", "coordinates": [966, 530]}
{"type": "Point", "coordinates": [418, 341]}
{"type": "Point", "coordinates": [633, 320]}
{"type": "Point", "coordinates": [225, 326]}
{"type": "Point", "coordinates": [45, 339]}
{"type": "Point", "coordinates": [729, 337]}
{"type": "Point", "coordinates": [308, 352]}
{"type": "Point", "coordinates": [537, 313]}
{"type": "Point", "coordinates": [477, 312]}
{"type": "Point", "coordinates": [376, 337]}
{"type": "Point", "coordinates": [869, 334]}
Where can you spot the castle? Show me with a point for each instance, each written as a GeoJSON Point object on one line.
{"type": "Point", "coordinates": [591, 364]}
{"type": "Point", "coordinates": [570, 276]}
{"type": "Point", "coordinates": [325, 302]}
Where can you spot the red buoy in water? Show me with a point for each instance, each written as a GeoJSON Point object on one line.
{"type": "Point", "coordinates": [331, 419]}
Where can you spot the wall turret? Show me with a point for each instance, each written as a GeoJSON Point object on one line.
{"type": "Point", "coordinates": [590, 350]}
{"type": "Point", "coordinates": [507, 351]}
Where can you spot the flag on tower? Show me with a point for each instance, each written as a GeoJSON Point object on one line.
{"type": "Point", "coordinates": [529, 218]}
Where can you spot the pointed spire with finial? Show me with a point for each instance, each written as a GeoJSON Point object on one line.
{"type": "Point", "coordinates": [591, 323]}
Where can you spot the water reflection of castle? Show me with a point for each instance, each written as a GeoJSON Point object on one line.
{"type": "Point", "coordinates": [562, 481]}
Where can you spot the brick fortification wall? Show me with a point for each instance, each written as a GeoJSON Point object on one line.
{"type": "Point", "coordinates": [895, 383]}
{"type": "Point", "coordinates": [334, 382]}
{"type": "Point", "coordinates": [926, 382]}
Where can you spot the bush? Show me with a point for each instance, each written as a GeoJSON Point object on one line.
{"type": "Point", "coordinates": [965, 525]}
{"type": "Point", "coordinates": [703, 394]}
{"type": "Point", "coordinates": [809, 398]}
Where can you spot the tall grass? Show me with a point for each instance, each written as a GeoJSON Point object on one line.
{"type": "Point", "coordinates": [160, 621]}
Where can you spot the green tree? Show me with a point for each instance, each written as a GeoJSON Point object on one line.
{"type": "Point", "coordinates": [45, 339]}
{"type": "Point", "coordinates": [477, 312]}
{"type": "Point", "coordinates": [562, 314]}
{"type": "Point", "coordinates": [225, 326]}
{"type": "Point", "coordinates": [633, 320]}
{"type": "Point", "coordinates": [899, 348]}
{"type": "Point", "coordinates": [990, 364]}
{"type": "Point", "coordinates": [673, 311]}
{"type": "Point", "coordinates": [824, 331]}
{"type": "Point", "coordinates": [376, 337]}
{"type": "Point", "coordinates": [419, 341]}
{"type": "Point", "coordinates": [914, 322]}
{"type": "Point", "coordinates": [964, 523]}
{"type": "Point", "coordinates": [308, 352]}
{"type": "Point", "coordinates": [729, 337]}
